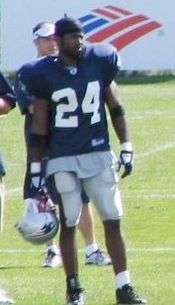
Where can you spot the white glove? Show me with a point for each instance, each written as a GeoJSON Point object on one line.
{"type": "Point", "coordinates": [126, 159]}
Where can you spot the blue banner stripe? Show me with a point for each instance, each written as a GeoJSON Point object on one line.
{"type": "Point", "coordinates": [86, 18]}
{"type": "Point", "coordinates": [93, 25]}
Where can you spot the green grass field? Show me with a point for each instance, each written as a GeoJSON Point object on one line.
{"type": "Point", "coordinates": [148, 198]}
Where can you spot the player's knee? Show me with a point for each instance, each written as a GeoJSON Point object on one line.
{"type": "Point", "coordinates": [72, 206]}
{"type": "Point", "coordinates": [107, 215]}
{"type": "Point", "coordinates": [72, 217]}
{"type": "Point", "coordinates": [72, 221]}
{"type": "Point", "coordinates": [111, 207]}
{"type": "Point", "coordinates": [66, 231]}
{"type": "Point", "coordinates": [69, 188]}
{"type": "Point", "coordinates": [112, 225]}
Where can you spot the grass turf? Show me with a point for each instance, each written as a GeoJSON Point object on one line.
{"type": "Point", "coordinates": [149, 205]}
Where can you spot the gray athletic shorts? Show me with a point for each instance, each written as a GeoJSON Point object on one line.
{"type": "Point", "coordinates": [85, 165]}
{"type": "Point", "coordinates": [95, 171]}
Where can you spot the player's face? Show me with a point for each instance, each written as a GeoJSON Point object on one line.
{"type": "Point", "coordinates": [46, 45]}
{"type": "Point", "coordinates": [71, 44]}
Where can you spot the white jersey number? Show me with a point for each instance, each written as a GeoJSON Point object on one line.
{"type": "Point", "coordinates": [90, 104]}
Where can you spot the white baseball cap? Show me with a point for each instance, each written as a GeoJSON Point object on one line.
{"type": "Point", "coordinates": [43, 29]}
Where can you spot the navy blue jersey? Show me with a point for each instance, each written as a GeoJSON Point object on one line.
{"type": "Point", "coordinates": [76, 97]}
{"type": "Point", "coordinates": [6, 91]}
{"type": "Point", "coordinates": [24, 99]}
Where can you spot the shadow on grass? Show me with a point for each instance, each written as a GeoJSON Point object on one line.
{"type": "Point", "coordinates": [136, 78]}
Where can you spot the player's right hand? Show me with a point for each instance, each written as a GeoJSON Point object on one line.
{"type": "Point", "coordinates": [36, 185]}
{"type": "Point", "coordinates": [38, 198]}
{"type": "Point", "coordinates": [36, 179]}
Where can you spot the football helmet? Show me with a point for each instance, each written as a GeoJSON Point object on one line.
{"type": "Point", "coordinates": [38, 228]}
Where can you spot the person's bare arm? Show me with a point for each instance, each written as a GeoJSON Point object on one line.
{"type": "Point", "coordinates": [38, 141]}
{"type": "Point", "coordinates": [39, 130]}
{"type": "Point", "coordinates": [116, 111]}
{"type": "Point", "coordinates": [118, 119]}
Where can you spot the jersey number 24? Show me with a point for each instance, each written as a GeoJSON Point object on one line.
{"type": "Point", "coordinates": [90, 104]}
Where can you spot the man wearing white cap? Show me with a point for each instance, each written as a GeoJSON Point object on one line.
{"type": "Point", "coordinates": [43, 37]}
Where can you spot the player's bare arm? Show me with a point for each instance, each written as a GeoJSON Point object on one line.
{"type": "Point", "coordinates": [39, 130]}
{"type": "Point", "coordinates": [118, 119]}
{"type": "Point", "coordinates": [117, 112]}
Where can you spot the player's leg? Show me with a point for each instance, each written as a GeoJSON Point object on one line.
{"type": "Point", "coordinates": [108, 203]}
{"type": "Point", "coordinates": [68, 185]}
{"type": "Point", "coordinates": [93, 254]}
{"type": "Point", "coordinates": [53, 254]}
{"type": "Point", "coordinates": [110, 214]}
{"type": "Point", "coordinates": [2, 192]}
{"type": "Point", "coordinates": [86, 223]}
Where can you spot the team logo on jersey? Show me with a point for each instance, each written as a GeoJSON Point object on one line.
{"type": "Point", "coordinates": [118, 26]}
{"type": "Point", "coordinates": [73, 70]}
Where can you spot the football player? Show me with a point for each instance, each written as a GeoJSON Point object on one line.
{"type": "Point", "coordinates": [44, 40]}
{"type": "Point", "coordinates": [69, 123]}
{"type": "Point", "coordinates": [7, 102]}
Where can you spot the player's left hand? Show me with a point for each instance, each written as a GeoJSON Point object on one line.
{"type": "Point", "coordinates": [126, 159]}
